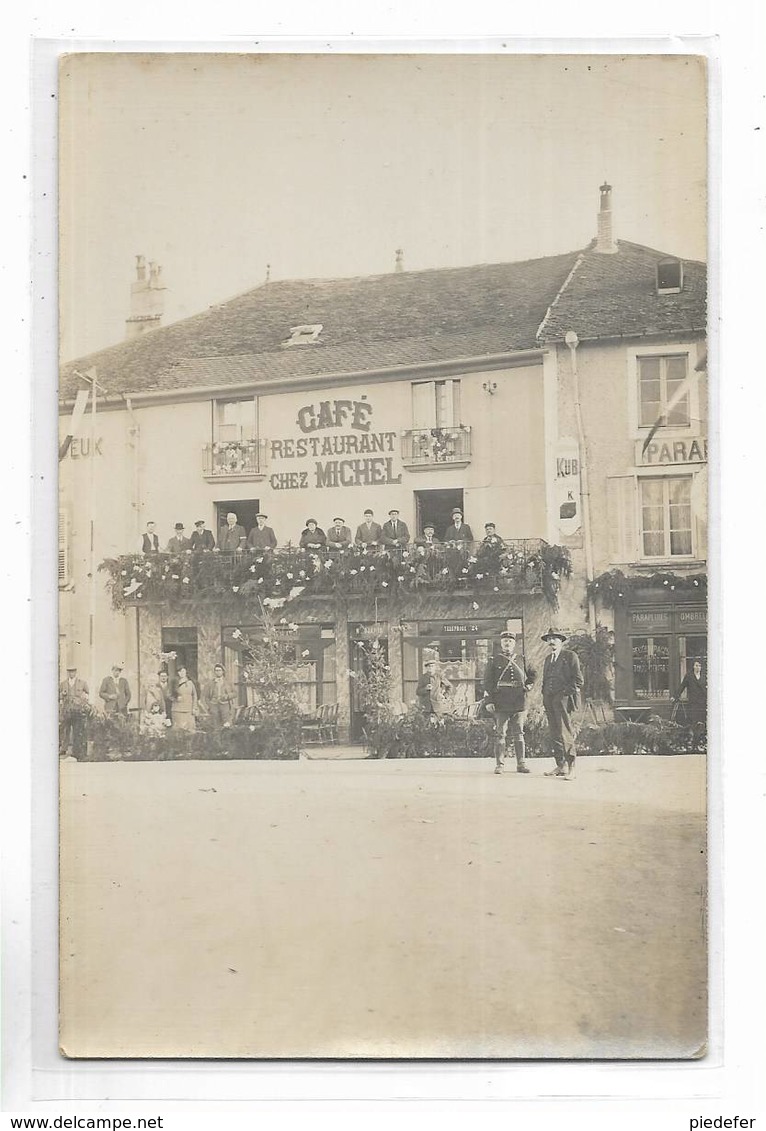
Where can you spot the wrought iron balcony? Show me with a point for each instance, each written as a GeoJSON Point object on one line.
{"type": "Point", "coordinates": [428, 448]}
{"type": "Point", "coordinates": [515, 565]}
{"type": "Point", "coordinates": [234, 459]}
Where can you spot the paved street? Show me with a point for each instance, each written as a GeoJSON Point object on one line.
{"type": "Point", "coordinates": [423, 908]}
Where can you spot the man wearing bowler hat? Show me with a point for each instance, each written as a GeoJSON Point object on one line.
{"type": "Point", "coordinates": [506, 684]}
{"type": "Point", "coordinates": [339, 535]}
{"type": "Point", "coordinates": [179, 542]}
{"type": "Point", "coordinates": [395, 532]}
{"type": "Point", "coordinates": [261, 537]}
{"type": "Point", "coordinates": [562, 681]}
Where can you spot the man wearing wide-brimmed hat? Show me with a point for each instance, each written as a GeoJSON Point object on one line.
{"type": "Point", "coordinates": [562, 681]}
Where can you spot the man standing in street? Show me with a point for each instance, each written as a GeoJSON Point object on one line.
{"type": "Point", "coordinates": [73, 713]}
{"type": "Point", "coordinates": [562, 681]}
{"type": "Point", "coordinates": [115, 692]}
{"type": "Point", "coordinates": [219, 698]}
{"type": "Point", "coordinates": [506, 684]}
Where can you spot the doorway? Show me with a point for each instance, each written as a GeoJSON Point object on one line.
{"type": "Point", "coordinates": [437, 507]}
{"type": "Point", "coordinates": [244, 509]}
{"type": "Point", "coordinates": [182, 641]}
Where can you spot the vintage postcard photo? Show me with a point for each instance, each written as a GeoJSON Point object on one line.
{"type": "Point", "coordinates": [383, 556]}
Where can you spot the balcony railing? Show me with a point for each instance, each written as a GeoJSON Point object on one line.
{"type": "Point", "coordinates": [426, 448]}
{"type": "Point", "coordinates": [234, 459]}
{"type": "Point", "coordinates": [516, 565]}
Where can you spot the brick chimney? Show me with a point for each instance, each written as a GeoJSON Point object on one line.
{"type": "Point", "coordinates": [147, 299]}
{"type": "Point", "coordinates": [605, 242]}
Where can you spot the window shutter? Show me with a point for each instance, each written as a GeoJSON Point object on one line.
{"type": "Point", "coordinates": [453, 400]}
{"type": "Point", "coordinates": [423, 405]}
{"type": "Point", "coordinates": [63, 548]}
{"type": "Point", "coordinates": [621, 511]}
{"type": "Point", "coordinates": [699, 512]}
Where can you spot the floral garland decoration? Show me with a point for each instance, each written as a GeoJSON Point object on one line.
{"type": "Point", "coordinates": [613, 587]}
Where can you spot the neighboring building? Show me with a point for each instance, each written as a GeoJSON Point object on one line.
{"type": "Point", "coordinates": [417, 390]}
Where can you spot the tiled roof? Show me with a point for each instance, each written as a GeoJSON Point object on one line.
{"type": "Point", "coordinates": [400, 319]}
{"type": "Point", "coordinates": [615, 295]}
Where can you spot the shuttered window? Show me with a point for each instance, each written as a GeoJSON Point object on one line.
{"type": "Point", "coordinates": [621, 509]}
{"type": "Point", "coordinates": [436, 404]}
{"type": "Point", "coordinates": [64, 536]}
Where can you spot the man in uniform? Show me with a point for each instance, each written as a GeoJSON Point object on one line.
{"type": "Point", "coordinates": [505, 693]}
{"type": "Point", "coordinates": [562, 681]}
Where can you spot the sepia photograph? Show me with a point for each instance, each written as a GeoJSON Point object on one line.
{"type": "Point", "coordinates": [382, 556]}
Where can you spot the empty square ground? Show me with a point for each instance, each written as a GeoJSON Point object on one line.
{"type": "Point", "coordinates": [350, 907]}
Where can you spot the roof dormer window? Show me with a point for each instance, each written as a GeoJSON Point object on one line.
{"type": "Point", "coordinates": [304, 335]}
{"type": "Point", "coordinates": [670, 277]}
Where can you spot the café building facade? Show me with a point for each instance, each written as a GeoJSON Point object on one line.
{"type": "Point", "coordinates": [423, 391]}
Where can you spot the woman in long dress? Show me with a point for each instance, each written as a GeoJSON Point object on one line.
{"type": "Point", "coordinates": [185, 702]}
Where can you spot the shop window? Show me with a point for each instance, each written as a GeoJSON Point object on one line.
{"type": "Point", "coordinates": [234, 421]}
{"type": "Point", "coordinates": [436, 404]}
{"type": "Point", "coordinates": [666, 517]}
{"type": "Point", "coordinates": [659, 381]}
{"type": "Point", "coordinates": [691, 648]}
{"type": "Point", "coordinates": [650, 662]}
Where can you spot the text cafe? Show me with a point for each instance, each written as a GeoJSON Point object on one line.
{"type": "Point", "coordinates": [657, 638]}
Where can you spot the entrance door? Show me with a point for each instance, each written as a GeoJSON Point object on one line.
{"type": "Point", "coordinates": [437, 507]}
{"type": "Point", "coordinates": [244, 509]}
{"type": "Point", "coordinates": [366, 650]}
{"type": "Point", "coordinates": [182, 641]}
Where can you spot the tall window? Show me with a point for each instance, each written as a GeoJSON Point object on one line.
{"type": "Point", "coordinates": [435, 404]}
{"type": "Point", "coordinates": [666, 517]}
{"type": "Point", "coordinates": [659, 379]}
{"type": "Point", "coordinates": [235, 420]}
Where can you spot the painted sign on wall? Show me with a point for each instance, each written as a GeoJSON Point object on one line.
{"type": "Point", "coordinates": [567, 481]}
{"type": "Point", "coordinates": [359, 440]}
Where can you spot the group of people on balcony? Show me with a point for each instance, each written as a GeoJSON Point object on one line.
{"type": "Point", "coordinates": [392, 534]}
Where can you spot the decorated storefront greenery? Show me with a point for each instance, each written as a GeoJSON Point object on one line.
{"type": "Point", "coordinates": [524, 565]}
{"type": "Point", "coordinates": [614, 587]}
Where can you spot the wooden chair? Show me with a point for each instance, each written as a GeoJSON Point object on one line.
{"type": "Point", "coordinates": [311, 726]}
{"type": "Point", "coordinates": [329, 723]}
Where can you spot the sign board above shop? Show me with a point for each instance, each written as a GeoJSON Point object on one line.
{"type": "Point", "coordinates": [461, 628]}
{"type": "Point", "coordinates": [662, 452]}
{"type": "Point", "coordinates": [691, 619]}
